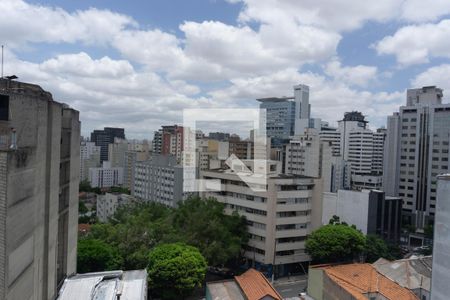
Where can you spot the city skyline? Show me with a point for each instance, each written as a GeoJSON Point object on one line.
{"type": "Point", "coordinates": [132, 66]}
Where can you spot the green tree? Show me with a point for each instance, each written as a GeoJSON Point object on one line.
{"type": "Point", "coordinates": [82, 209]}
{"type": "Point", "coordinates": [203, 224]}
{"type": "Point", "coordinates": [95, 255]}
{"type": "Point", "coordinates": [428, 231]}
{"type": "Point", "coordinates": [175, 270]}
{"type": "Point", "coordinates": [376, 248]}
{"type": "Point", "coordinates": [335, 243]}
{"type": "Point", "coordinates": [85, 186]}
{"type": "Point", "coordinates": [118, 189]}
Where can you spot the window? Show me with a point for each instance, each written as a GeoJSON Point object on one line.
{"type": "Point", "coordinates": [4, 107]}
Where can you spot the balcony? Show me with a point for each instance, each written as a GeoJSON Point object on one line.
{"type": "Point", "coordinates": [293, 207]}
{"type": "Point", "coordinates": [291, 233]}
{"type": "Point", "coordinates": [293, 220]}
{"type": "Point", "coordinates": [290, 246]}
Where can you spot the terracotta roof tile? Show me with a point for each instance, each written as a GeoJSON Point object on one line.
{"type": "Point", "coordinates": [256, 286]}
{"type": "Point", "coordinates": [360, 279]}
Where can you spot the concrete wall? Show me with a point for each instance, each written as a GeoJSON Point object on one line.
{"type": "Point", "coordinates": [441, 255]}
{"type": "Point", "coordinates": [30, 205]}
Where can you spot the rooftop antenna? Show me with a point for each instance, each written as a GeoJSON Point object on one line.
{"type": "Point", "coordinates": [2, 60]}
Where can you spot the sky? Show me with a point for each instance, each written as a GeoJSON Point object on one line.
{"type": "Point", "coordinates": [138, 63]}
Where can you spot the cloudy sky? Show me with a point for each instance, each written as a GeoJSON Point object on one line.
{"type": "Point", "coordinates": [138, 63]}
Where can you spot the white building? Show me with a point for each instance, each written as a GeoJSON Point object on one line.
{"type": "Point", "coordinates": [106, 176]}
{"type": "Point", "coordinates": [369, 210]}
{"type": "Point", "coordinates": [116, 153]}
{"type": "Point", "coordinates": [416, 152]}
{"type": "Point", "coordinates": [159, 179]}
{"type": "Point", "coordinates": [279, 218]}
{"type": "Point", "coordinates": [441, 256]}
{"type": "Point", "coordinates": [108, 204]}
{"type": "Point", "coordinates": [89, 158]}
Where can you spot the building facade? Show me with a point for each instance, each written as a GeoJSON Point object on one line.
{"type": "Point", "coordinates": [159, 179]}
{"type": "Point", "coordinates": [417, 151]}
{"type": "Point", "coordinates": [369, 210]}
{"type": "Point", "coordinates": [279, 218]}
{"type": "Point", "coordinates": [106, 176]}
{"type": "Point", "coordinates": [441, 256]}
{"type": "Point", "coordinates": [39, 176]}
{"type": "Point", "coordinates": [89, 158]}
{"type": "Point", "coordinates": [105, 137]}
{"type": "Point", "coordinates": [108, 204]}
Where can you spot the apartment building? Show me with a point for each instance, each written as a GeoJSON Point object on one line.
{"type": "Point", "coordinates": [89, 158]}
{"type": "Point", "coordinates": [159, 179]}
{"type": "Point", "coordinates": [417, 151]}
{"type": "Point", "coordinates": [106, 176]}
{"type": "Point", "coordinates": [39, 175]}
{"type": "Point", "coordinates": [108, 204]}
{"type": "Point", "coordinates": [278, 211]}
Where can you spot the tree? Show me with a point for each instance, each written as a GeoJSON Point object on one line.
{"type": "Point", "coordinates": [428, 231]}
{"type": "Point", "coordinates": [82, 209]}
{"type": "Point", "coordinates": [203, 224]}
{"type": "Point", "coordinates": [85, 186]}
{"type": "Point", "coordinates": [95, 255]}
{"type": "Point", "coordinates": [175, 270]}
{"type": "Point", "coordinates": [335, 243]}
{"type": "Point", "coordinates": [118, 189]}
{"type": "Point", "coordinates": [376, 248]}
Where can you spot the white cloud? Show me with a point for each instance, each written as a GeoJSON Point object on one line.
{"type": "Point", "coordinates": [417, 44]}
{"type": "Point", "coordinates": [423, 10]}
{"type": "Point", "coordinates": [81, 64]}
{"type": "Point", "coordinates": [359, 75]}
{"type": "Point", "coordinates": [329, 98]}
{"type": "Point", "coordinates": [21, 22]}
{"type": "Point", "coordinates": [438, 76]}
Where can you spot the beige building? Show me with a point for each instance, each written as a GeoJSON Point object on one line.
{"type": "Point", "coordinates": [39, 176]}
{"type": "Point", "coordinates": [278, 213]}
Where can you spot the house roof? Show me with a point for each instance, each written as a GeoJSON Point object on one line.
{"type": "Point", "coordinates": [412, 273]}
{"type": "Point", "coordinates": [362, 279]}
{"type": "Point", "coordinates": [256, 286]}
{"type": "Point", "coordinates": [129, 285]}
{"type": "Point", "coordinates": [228, 289]}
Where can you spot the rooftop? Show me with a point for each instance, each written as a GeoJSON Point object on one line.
{"type": "Point", "coordinates": [110, 285]}
{"type": "Point", "coordinates": [252, 285]}
{"type": "Point", "coordinates": [256, 286]}
{"type": "Point", "coordinates": [411, 273]}
{"type": "Point", "coordinates": [362, 279]}
{"type": "Point", "coordinates": [274, 99]}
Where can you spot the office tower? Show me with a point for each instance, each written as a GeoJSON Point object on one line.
{"type": "Point", "coordinates": [105, 137]}
{"type": "Point", "coordinates": [106, 176]}
{"type": "Point", "coordinates": [280, 116]}
{"type": "Point", "coordinates": [39, 176]}
{"type": "Point", "coordinates": [279, 219]}
{"type": "Point", "coordinates": [89, 158]}
{"type": "Point", "coordinates": [417, 151]}
{"type": "Point", "coordinates": [362, 149]}
{"type": "Point", "coordinates": [333, 136]}
{"type": "Point", "coordinates": [159, 179]}
{"type": "Point", "coordinates": [441, 255]}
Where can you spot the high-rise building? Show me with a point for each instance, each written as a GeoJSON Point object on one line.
{"type": "Point", "coordinates": [108, 204]}
{"type": "Point", "coordinates": [89, 158]}
{"type": "Point", "coordinates": [39, 176]}
{"type": "Point", "coordinates": [280, 116]}
{"type": "Point", "coordinates": [116, 153]}
{"type": "Point", "coordinates": [105, 137]}
{"type": "Point", "coordinates": [441, 256]}
{"type": "Point", "coordinates": [279, 219]}
{"type": "Point", "coordinates": [417, 151]}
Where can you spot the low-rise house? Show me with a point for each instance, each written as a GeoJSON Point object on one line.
{"type": "Point", "coordinates": [252, 285]}
{"type": "Point", "coordinates": [354, 282]}
{"type": "Point", "coordinates": [413, 273]}
{"type": "Point", "coordinates": [108, 204]}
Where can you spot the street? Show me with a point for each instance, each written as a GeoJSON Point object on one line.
{"type": "Point", "coordinates": [290, 288]}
